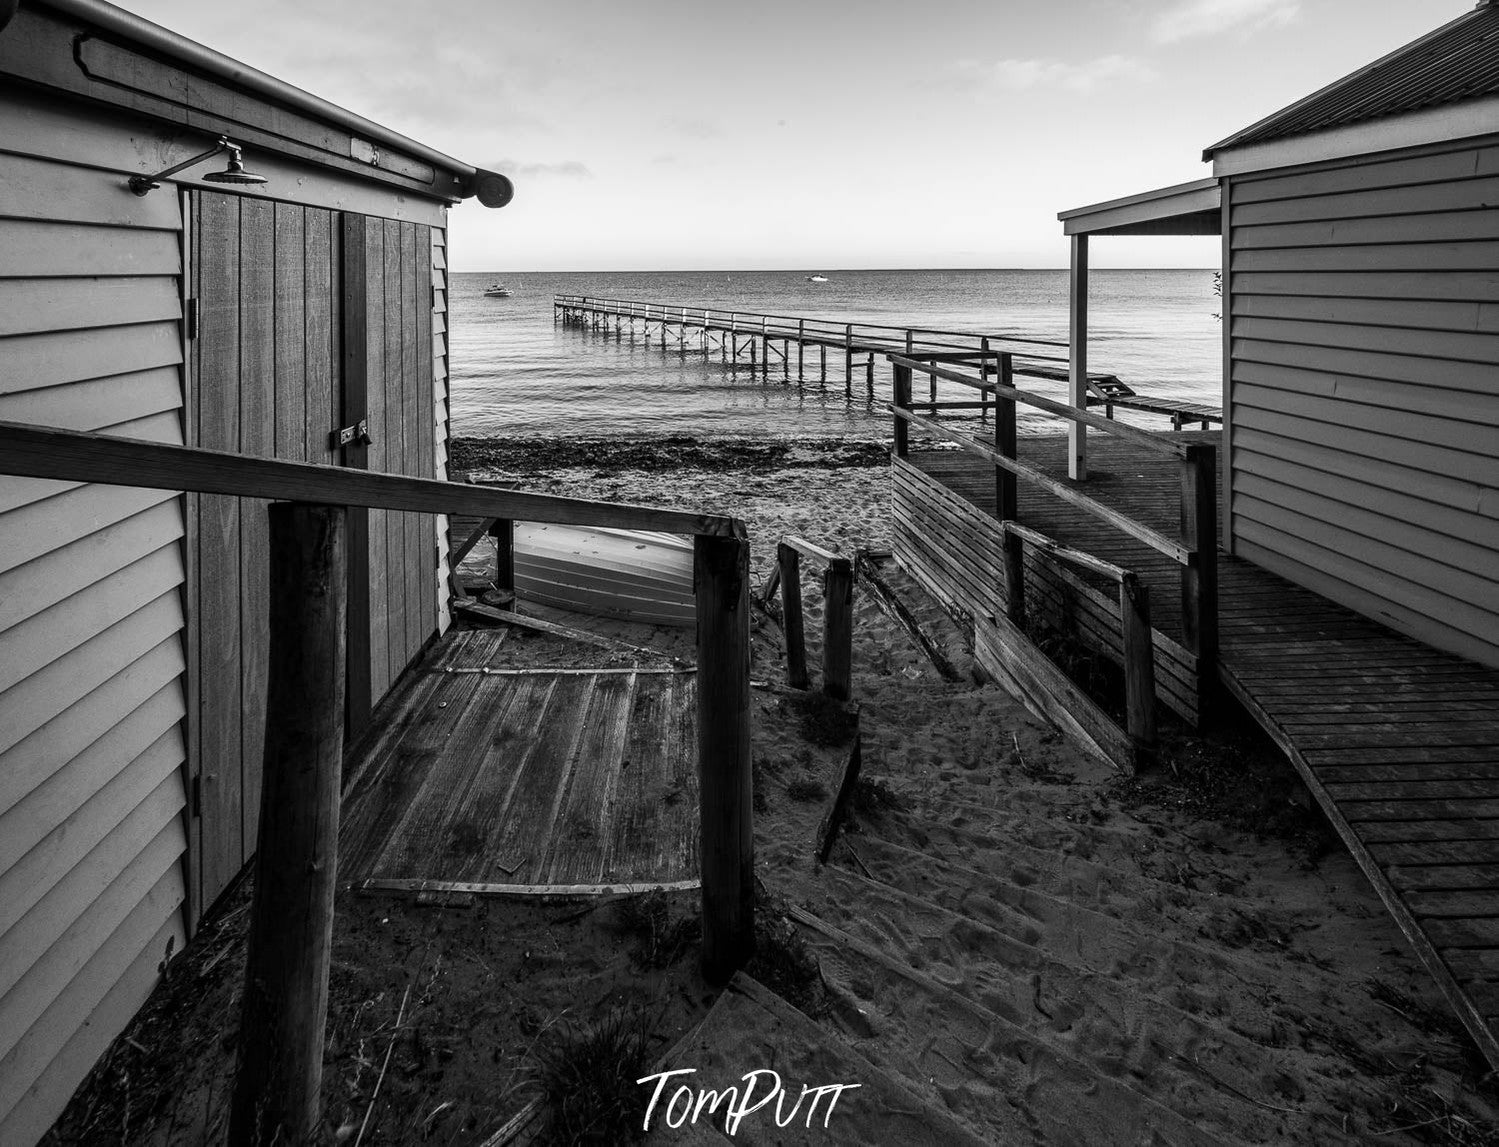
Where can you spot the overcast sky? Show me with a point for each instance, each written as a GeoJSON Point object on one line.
{"type": "Point", "coordinates": [826, 134]}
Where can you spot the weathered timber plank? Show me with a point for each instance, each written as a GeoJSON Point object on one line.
{"type": "Point", "coordinates": [1414, 790]}
{"type": "Point", "coordinates": [579, 846]}
{"type": "Point", "coordinates": [1445, 877]}
{"type": "Point", "coordinates": [1454, 904]}
{"type": "Point", "coordinates": [1386, 831]}
{"type": "Point", "coordinates": [1473, 932]}
{"type": "Point", "coordinates": [1447, 852]}
{"type": "Point", "coordinates": [1409, 771]}
{"type": "Point", "coordinates": [1411, 810]}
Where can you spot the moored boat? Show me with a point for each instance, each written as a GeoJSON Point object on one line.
{"type": "Point", "coordinates": [497, 291]}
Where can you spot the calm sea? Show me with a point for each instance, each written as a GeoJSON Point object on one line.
{"type": "Point", "coordinates": [515, 373]}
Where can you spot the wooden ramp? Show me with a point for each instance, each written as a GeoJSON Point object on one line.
{"type": "Point", "coordinates": [1398, 742]}
{"type": "Point", "coordinates": [486, 774]}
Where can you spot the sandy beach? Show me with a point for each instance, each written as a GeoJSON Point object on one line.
{"type": "Point", "coordinates": [1032, 945]}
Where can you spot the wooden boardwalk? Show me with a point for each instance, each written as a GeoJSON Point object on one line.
{"type": "Point", "coordinates": [485, 774]}
{"type": "Point", "coordinates": [1398, 742]}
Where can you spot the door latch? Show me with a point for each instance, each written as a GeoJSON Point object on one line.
{"type": "Point", "coordinates": [356, 435]}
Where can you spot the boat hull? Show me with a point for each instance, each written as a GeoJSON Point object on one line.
{"type": "Point", "coordinates": [630, 575]}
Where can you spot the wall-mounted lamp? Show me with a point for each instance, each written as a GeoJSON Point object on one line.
{"type": "Point", "coordinates": [234, 171]}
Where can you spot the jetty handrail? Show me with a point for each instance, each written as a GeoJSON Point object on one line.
{"type": "Point", "coordinates": [1142, 438]}
{"type": "Point", "coordinates": [837, 616]}
{"type": "Point", "coordinates": [282, 1021]}
{"type": "Point", "coordinates": [832, 326]}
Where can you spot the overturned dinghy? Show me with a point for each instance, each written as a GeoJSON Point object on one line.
{"type": "Point", "coordinates": [632, 575]}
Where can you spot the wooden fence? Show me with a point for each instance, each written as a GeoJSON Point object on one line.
{"type": "Point", "coordinates": [948, 538]}
{"type": "Point", "coordinates": [291, 921]}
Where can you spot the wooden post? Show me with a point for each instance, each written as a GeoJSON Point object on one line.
{"type": "Point", "coordinates": [984, 374]}
{"type": "Point", "coordinates": [1006, 485]}
{"type": "Point", "coordinates": [1139, 668]}
{"type": "Point", "coordinates": [1013, 560]}
{"type": "Point", "coordinates": [1199, 577]}
{"type": "Point", "coordinates": [1077, 385]}
{"type": "Point", "coordinates": [848, 360]}
{"type": "Point", "coordinates": [733, 336]}
{"type": "Point", "coordinates": [822, 353]}
{"type": "Point", "coordinates": [902, 401]}
{"type": "Point", "coordinates": [788, 562]}
{"type": "Point", "coordinates": [838, 629]}
{"type": "Point", "coordinates": [801, 347]}
{"type": "Point", "coordinates": [869, 376]}
{"type": "Point", "coordinates": [727, 843]}
{"type": "Point", "coordinates": [503, 533]}
{"type": "Point", "coordinates": [284, 1007]}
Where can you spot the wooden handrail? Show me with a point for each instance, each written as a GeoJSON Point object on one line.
{"type": "Point", "coordinates": [824, 326]}
{"type": "Point", "coordinates": [1156, 540]}
{"type": "Point", "coordinates": [1056, 549]}
{"type": "Point", "coordinates": [1141, 438]}
{"type": "Point", "coordinates": [74, 456]}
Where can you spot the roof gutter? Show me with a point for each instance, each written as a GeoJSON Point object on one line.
{"type": "Point", "coordinates": [153, 37]}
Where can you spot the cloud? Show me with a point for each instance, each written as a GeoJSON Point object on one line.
{"type": "Point", "coordinates": [1190, 18]}
{"type": "Point", "coordinates": [1085, 76]}
{"type": "Point", "coordinates": [567, 169]}
{"type": "Point", "coordinates": [693, 128]}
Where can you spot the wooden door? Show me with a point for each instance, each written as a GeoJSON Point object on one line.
{"type": "Point", "coordinates": [265, 376]}
{"type": "Point", "coordinates": [388, 384]}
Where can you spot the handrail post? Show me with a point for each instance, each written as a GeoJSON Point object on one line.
{"type": "Point", "coordinates": [901, 399]}
{"type": "Point", "coordinates": [284, 1007]}
{"type": "Point", "coordinates": [984, 374]}
{"type": "Point", "coordinates": [838, 629]}
{"type": "Point", "coordinates": [503, 532]}
{"type": "Point", "coordinates": [788, 561]}
{"type": "Point", "coordinates": [1139, 668]}
{"type": "Point", "coordinates": [726, 819]}
{"type": "Point", "coordinates": [1006, 485]}
{"type": "Point", "coordinates": [1012, 558]}
{"type": "Point", "coordinates": [1199, 576]}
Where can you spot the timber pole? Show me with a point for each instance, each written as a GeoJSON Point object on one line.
{"type": "Point", "coordinates": [727, 844]}
{"type": "Point", "coordinates": [285, 1001]}
{"type": "Point", "coordinates": [838, 629]}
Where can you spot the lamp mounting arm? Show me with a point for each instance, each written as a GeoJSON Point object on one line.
{"type": "Point", "coordinates": [141, 184]}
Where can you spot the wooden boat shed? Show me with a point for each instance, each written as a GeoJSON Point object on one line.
{"type": "Point", "coordinates": [1361, 334]}
{"type": "Point", "coordinates": [257, 318]}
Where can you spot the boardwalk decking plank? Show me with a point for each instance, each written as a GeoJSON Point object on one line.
{"type": "Point", "coordinates": [1327, 756]}
{"type": "Point", "coordinates": [1455, 904]}
{"type": "Point", "coordinates": [1414, 790]}
{"type": "Point", "coordinates": [1357, 737]}
{"type": "Point", "coordinates": [1411, 831]}
{"type": "Point", "coordinates": [1444, 852]}
{"type": "Point", "coordinates": [1437, 809]}
{"type": "Point", "coordinates": [1445, 877]}
{"type": "Point", "coordinates": [1422, 770]}
{"type": "Point", "coordinates": [1473, 932]}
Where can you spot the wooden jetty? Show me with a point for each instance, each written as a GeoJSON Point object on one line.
{"type": "Point", "coordinates": [1397, 742]}
{"type": "Point", "coordinates": [753, 341]}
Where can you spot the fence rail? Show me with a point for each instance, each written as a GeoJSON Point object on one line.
{"type": "Point", "coordinates": [1195, 550]}
{"type": "Point", "coordinates": [292, 913]}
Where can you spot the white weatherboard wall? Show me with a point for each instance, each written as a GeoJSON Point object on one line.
{"type": "Point", "coordinates": [1364, 385]}
{"type": "Point", "coordinates": [92, 693]}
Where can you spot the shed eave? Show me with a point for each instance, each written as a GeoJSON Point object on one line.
{"type": "Point", "coordinates": [1444, 124]}
{"type": "Point", "coordinates": [1182, 209]}
{"type": "Point", "coordinates": [456, 179]}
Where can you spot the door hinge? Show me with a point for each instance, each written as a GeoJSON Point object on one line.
{"type": "Point", "coordinates": [198, 796]}
{"type": "Point", "coordinates": [358, 434]}
{"type": "Point", "coordinates": [190, 318]}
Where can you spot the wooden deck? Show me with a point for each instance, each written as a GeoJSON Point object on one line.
{"type": "Point", "coordinates": [489, 775]}
{"type": "Point", "coordinates": [1398, 742]}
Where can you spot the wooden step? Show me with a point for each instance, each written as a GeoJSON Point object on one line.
{"type": "Point", "coordinates": [749, 1029]}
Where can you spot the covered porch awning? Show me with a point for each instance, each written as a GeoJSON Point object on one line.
{"type": "Point", "coordinates": [1184, 209]}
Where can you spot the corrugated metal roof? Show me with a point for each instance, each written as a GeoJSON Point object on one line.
{"type": "Point", "coordinates": [1459, 61]}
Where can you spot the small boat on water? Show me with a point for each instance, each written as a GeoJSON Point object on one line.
{"type": "Point", "coordinates": [817, 278]}
{"type": "Point", "coordinates": [632, 575]}
{"type": "Point", "coordinates": [497, 291]}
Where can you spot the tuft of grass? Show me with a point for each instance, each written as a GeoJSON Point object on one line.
{"type": "Point", "coordinates": [586, 1073]}
{"type": "Point", "coordinates": [660, 940]}
{"type": "Point", "coordinates": [806, 789]}
{"type": "Point", "coordinates": [784, 963]}
{"type": "Point", "coordinates": [871, 796]}
{"type": "Point", "coordinates": [823, 721]}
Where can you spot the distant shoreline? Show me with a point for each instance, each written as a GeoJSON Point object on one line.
{"type": "Point", "coordinates": [668, 452]}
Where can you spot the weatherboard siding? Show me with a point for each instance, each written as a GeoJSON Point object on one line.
{"type": "Point", "coordinates": [1364, 411]}
{"type": "Point", "coordinates": [92, 665]}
